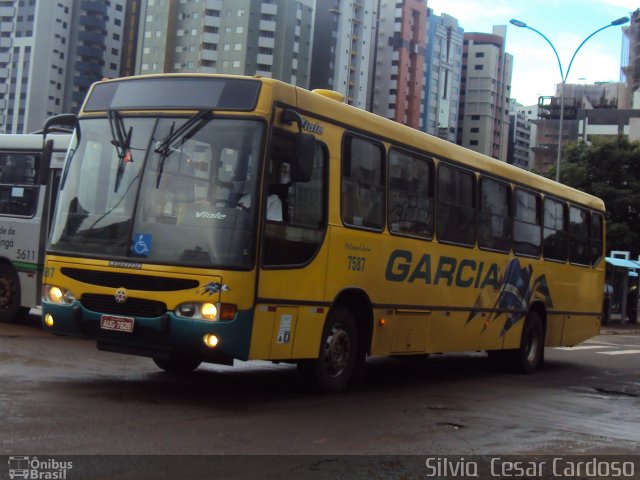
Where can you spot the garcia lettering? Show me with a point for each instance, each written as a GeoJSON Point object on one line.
{"type": "Point", "coordinates": [448, 271]}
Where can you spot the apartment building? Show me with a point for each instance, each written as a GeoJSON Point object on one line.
{"type": "Point", "coordinates": [398, 69]}
{"type": "Point", "coordinates": [486, 88]}
{"type": "Point", "coordinates": [50, 54]}
{"type": "Point", "coordinates": [343, 36]}
{"type": "Point", "coordinates": [271, 38]}
{"type": "Point", "coordinates": [443, 59]}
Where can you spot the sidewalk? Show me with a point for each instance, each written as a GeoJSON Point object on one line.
{"type": "Point", "coordinates": [617, 328]}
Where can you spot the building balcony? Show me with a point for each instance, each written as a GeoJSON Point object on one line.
{"type": "Point", "coordinates": [268, 25]}
{"type": "Point", "coordinates": [269, 9]}
{"type": "Point", "coordinates": [209, 55]}
{"type": "Point", "coordinates": [213, 38]}
{"type": "Point", "coordinates": [93, 22]}
{"type": "Point", "coordinates": [93, 6]}
{"type": "Point", "coordinates": [264, 42]}
{"type": "Point", "coordinates": [264, 59]}
{"type": "Point", "coordinates": [211, 21]}
{"type": "Point", "coordinates": [91, 52]}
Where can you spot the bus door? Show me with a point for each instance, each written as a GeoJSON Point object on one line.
{"type": "Point", "coordinates": [292, 261]}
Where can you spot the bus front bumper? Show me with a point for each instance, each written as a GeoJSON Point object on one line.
{"type": "Point", "coordinates": [156, 337]}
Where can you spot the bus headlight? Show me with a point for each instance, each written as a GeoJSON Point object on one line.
{"type": "Point", "coordinates": [206, 311]}
{"type": "Point", "coordinates": [198, 311]}
{"type": "Point", "coordinates": [58, 295]}
{"type": "Point", "coordinates": [209, 311]}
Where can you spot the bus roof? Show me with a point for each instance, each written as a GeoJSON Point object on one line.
{"type": "Point", "coordinates": [32, 141]}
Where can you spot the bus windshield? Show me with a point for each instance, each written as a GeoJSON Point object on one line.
{"type": "Point", "coordinates": [132, 180]}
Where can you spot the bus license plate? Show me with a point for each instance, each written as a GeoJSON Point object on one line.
{"type": "Point", "coordinates": [118, 324]}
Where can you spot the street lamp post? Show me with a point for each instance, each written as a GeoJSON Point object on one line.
{"type": "Point", "coordinates": [563, 75]}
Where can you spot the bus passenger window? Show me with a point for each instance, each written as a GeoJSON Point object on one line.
{"type": "Point", "coordinates": [362, 203]}
{"type": "Point", "coordinates": [410, 201]}
{"type": "Point", "coordinates": [494, 223]}
{"type": "Point", "coordinates": [555, 230]}
{"type": "Point", "coordinates": [579, 236]}
{"type": "Point", "coordinates": [18, 192]}
{"type": "Point", "coordinates": [456, 207]}
{"type": "Point", "coordinates": [526, 224]}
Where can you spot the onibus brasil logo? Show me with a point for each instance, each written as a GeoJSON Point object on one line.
{"type": "Point", "coordinates": [36, 469]}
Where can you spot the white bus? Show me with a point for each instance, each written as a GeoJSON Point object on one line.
{"type": "Point", "coordinates": [27, 197]}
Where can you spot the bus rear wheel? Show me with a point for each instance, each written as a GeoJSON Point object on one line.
{"type": "Point", "coordinates": [334, 368]}
{"type": "Point", "coordinates": [178, 364]}
{"type": "Point", "coordinates": [10, 309]}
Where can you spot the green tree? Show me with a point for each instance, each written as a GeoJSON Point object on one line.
{"type": "Point", "coordinates": [609, 169]}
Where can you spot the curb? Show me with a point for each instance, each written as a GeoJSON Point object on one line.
{"type": "Point", "coordinates": [622, 329]}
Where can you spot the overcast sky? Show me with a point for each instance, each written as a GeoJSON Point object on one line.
{"type": "Point", "coordinates": [566, 24]}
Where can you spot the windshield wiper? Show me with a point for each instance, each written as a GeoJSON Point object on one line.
{"type": "Point", "coordinates": [186, 130]}
{"type": "Point", "coordinates": [164, 153]}
{"type": "Point", "coordinates": [121, 140]}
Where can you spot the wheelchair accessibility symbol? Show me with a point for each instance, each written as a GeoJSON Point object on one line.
{"type": "Point", "coordinates": [141, 244]}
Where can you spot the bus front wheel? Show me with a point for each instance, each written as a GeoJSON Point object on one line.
{"type": "Point", "coordinates": [178, 364]}
{"type": "Point", "coordinates": [529, 356]}
{"type": "Point", "coordinates": [334, 368]}
{"type": "Point", "coordinates": [10, 309]}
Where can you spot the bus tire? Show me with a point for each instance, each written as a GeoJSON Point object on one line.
{"type": "Point", "coordinates": [10, 309]}
{"type": "Point", "coordinates": [529, 356]}
{"type": "Point", "coordinates": [337, 359]}
{"type": "Point", "coordinates": [177, 364]}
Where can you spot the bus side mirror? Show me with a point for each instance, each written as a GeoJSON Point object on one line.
{"type": "Point", "coordinates": [68, 120]}
{"type": "Point", "coordinates": [302, 165]}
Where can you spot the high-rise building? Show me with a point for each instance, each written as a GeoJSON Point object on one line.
{"type": "Point", "coordinates": [271, 38]}
{"type": "Point", "coordinates": [486, 88]}
{"type": "Point", "coordinates": [96, 40]}
{"type": "Point", "coordinates": [343, 39]}
{"type": "Point", "coordinates": [50, 53]}
{"type": "Point", "coordinates": [443, 57]}
{"type": "Point", "coordinates": [518, 146]}
{"type": "Point", "coordinates": [630, 60]}
{"type": "Point", "coordinates": [398, 68]}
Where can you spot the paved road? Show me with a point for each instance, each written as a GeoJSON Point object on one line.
{"type": "Point", "coordinates": [61, 396]}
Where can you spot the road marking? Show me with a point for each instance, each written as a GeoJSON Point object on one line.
{"type": "Point", "coordinates": [620, 352]}
{"type": "Point", "coordinates": [584, 347]}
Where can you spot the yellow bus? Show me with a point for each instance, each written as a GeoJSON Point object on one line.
{"type": "Point", "coordinates": [207, 218]}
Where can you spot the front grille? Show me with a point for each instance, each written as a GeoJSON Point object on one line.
{"type": "Point", "coordinates": [146, 283]}
{"type": "Point", "coordinates": [133, 307]}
